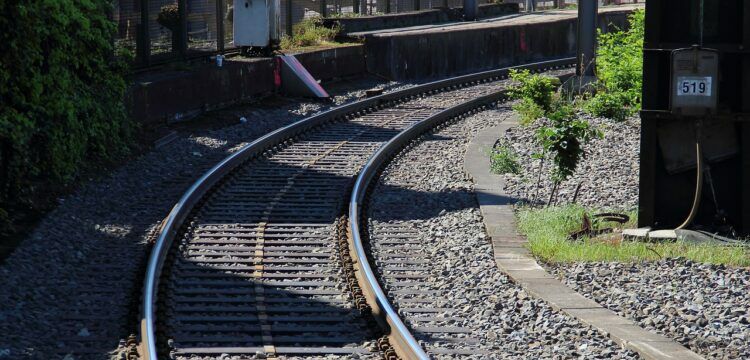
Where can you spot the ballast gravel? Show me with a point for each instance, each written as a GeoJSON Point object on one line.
{"type": "Point", "coordinates": [704, 307]}
{"type": "Point", "coordinates": [426, 192]}
{"type": "Point", "coordinates": [607, 175]}
{"type": "Point", "coordinates": [71, 288]}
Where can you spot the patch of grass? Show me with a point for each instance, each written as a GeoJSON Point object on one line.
{"type": "Point", "coordinates": [503, 160]}
{"type": "Point", "coordinates": [309, 32]}
{"type": "Point", "coordinates": [547, 230]}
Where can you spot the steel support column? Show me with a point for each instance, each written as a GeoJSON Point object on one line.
{"type": "Point", "coordinates": [530, 5]}
{"type": "Point", "coordinates": [143, 39]}
{"type": "Point", "coordinates": [220, 25]}
{"type": "Point", "coordinates": [289, 24]}
{"type": "Point", "coordinates": [471, 7]}
{"type": "Point", "coordinates": [587, 13]}
{"type": "Point", "coordinates": [182, 46]}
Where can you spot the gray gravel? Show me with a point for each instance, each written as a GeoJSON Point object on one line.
{"type": "Point", "coordinates": [608, 174]}
{"type": "Point", "coordinates": [704, 307]}
{"type": "Point", "coordinates": [426, 192]}
{"type": "Point", "coordinates": [69, 287]}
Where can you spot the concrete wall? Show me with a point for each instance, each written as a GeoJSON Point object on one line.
{"type": "Point", "coordinates": [415, 18]}
{"type": "Point", "coordinates": [162, 96]}
{"type": "Point", "coordinates": [453, 51]}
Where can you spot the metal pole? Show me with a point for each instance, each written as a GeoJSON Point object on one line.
{"type": "Point", "coordinates": [143, 41]}
{"type": "Point", "coordinates": [416, 4]}
{"type": "Point", "coordinates": [183, 43]}
{"type": "Point", "coordinates": [587, 13]}
{"type": "Point", "coordinates": [323, 8]}
{"type": "Point", "coordinates": [355, 6]}
{"type": "Point", "coordinates": [220, 25]}
{"type": "Point", "coordinates": [530, 5]}
{"type": "Point", "coordinates": [470, 10]}
{"type": "Point", "coordinates": [289, 25]}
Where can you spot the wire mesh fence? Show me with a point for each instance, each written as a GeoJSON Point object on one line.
{"type": "Point", "coordinates": [179, 29]}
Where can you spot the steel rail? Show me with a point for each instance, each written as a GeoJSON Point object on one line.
{"type": "Point", "coordinates": [212, 177]}
{"type": "Point", "coordinates": [404, 343]}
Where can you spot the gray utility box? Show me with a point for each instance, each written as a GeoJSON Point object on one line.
{"type": "Point", "coordinates": [695, 79]}
{"type": "Point", "coordinates": [255, 22]}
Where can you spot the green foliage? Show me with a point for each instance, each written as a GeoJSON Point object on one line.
{"type": "Point", "coordinates": [609, 105]}
{"type": "Point", "coordinates": [528, 111]}
{"type": "Point", "coordinates": [564, 139]}
{"type": "Point", "coordinates": [533, 87]}
{"type": "Point", "coordinates": [619, 68]}
{"type": "Point", "coordinates": [61, 89]}
{"type": "Point", "coordinates": [309, 32]}
{"type": "Point", "coordinates": [504, 160]}
{"type": "Point", "coordinates": [547, 230]}
{"type": "Point", "coordinates": [169, 16]}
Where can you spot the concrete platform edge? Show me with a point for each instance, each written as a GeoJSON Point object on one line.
{"type": "Point", "coordinates": [513, 258]}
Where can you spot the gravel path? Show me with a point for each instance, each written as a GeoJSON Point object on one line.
{"type": "Point", "coordinates": [69, 287]}
{"type": "Point", "coordinates": [608, 174]}
{"type": "Point", "coordinates": [427, 193]}
{"type": "Point", "coordinates": [704, 307]}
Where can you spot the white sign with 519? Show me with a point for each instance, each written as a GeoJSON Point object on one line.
{"type": "Point", "coordinates": [693, 86]}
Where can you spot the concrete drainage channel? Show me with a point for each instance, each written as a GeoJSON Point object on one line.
{"type": "Point", "coordinates": [514, 259]}
{"type": "Point", "coordinates": [247, 261]}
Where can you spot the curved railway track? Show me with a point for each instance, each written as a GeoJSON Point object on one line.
{"type": "Point", "coordinates": [257, 259]}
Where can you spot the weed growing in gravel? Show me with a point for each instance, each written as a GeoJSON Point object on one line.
{"type": "Point", "coordinates": [547, 230]}
{"type": "Point", "coordinates": [528, 111]}
{"type": "Point", "coordinates": [564, 139]}
{"type": "Point", "coordinates": [536, 93]}
{"type": "Point", "coordinates": [504, 160]}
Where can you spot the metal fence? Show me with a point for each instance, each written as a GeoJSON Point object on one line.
{"type": "Point", "coordinates": [181, 29]}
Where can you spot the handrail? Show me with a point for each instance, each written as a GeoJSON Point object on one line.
{"type": "Point", "coordinates": [200, 188]}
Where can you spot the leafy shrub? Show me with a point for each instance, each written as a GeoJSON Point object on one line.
{"type": "Point", "coordinates": [169, 16]}
{"type": "Point", "coordinates": [309, 32]}
{"type": "Point", "coordinates": [619, 68]}
{"type": "Point", "coordinates": [528, 111]}
{"type": "Point", "coordinates": [564, 138]}
{"type": "Point", "coordinates": [609, 105]}
{"type": "Point", "coordinates": [504, 160]}
{"type": "Point", "coordinates": [536, 88]}
{"type": "Point", "coordinates": [61, 89]}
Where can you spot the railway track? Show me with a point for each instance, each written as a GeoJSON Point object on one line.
{"type": "Point", "coordinates": [260, 258]}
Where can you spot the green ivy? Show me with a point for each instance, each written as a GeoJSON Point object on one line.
{"type": "Point", "coordinates": [61, 89]}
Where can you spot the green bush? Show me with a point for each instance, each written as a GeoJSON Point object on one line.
{"type": "Point", "coordinates": [536, 88]}
{"type": "Point", "coordinates": [309, 32]}
{"type": "Point", "coordinates": [619, 68]}
{"type": "Point", "coordinates": [564, 138]}
{"type": "Point", "coordinates": [609, 105]}
{"type": "Point", "coordinates": [504, 160]}
{"type": "Point", "coordinates": [61, 90]}
{"type": "Point", "coordinates": [528, 111]}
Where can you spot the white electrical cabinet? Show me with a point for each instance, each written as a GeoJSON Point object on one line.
{"type": "Point", "coordinates": [255, 22]}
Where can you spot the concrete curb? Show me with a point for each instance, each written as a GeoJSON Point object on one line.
{"type": "Point", "coordinates": [514, 259]}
